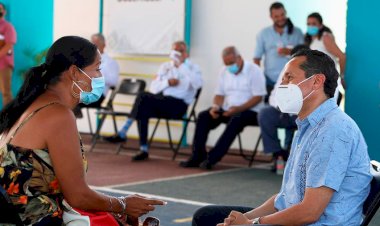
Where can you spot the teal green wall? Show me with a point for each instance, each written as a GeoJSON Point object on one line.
{"type": "Point", "coordinates": [188, 11]}
{"type": "Point", "coordinates": [363, 73]}
{"type": "Point", "coordinates": [33, 21]}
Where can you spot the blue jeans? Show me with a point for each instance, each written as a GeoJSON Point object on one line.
{"type": "Point", "coordinates": [270, 119]}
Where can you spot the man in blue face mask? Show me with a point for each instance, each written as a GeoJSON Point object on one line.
{"type": "Point", "coordinates": [239, 96]}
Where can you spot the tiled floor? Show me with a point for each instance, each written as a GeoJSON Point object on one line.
{"type": "Point", "coordinates": [230, 183]}
{"type": "Point", "coordinates": [107, 168]}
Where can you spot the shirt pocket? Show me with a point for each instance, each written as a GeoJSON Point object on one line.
{"type": "Point", "coordinates": [244, 85]}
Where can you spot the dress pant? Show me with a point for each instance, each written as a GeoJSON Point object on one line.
{"type": "Point", "coordinates": [205, 123]}
{"type": "Point", "coordinates": [213, 215]}
{"type": "Point", "coordinates": [148, 105]}
{"type": "Point", "coordinates": [270, 119]}
{"type": "Point", "coordinates": [269, 86]}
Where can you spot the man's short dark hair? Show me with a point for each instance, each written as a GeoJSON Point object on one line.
{"type": "Point", "coordinates": [318, 62]}
{"type": "Point", "coordinates": [276, 5]}
{"type": "Point", "coordinates": [298, 48]}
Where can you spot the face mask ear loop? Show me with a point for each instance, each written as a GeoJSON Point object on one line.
{"type": "Point", "coordinates": [73, 93]}
{"type": "Point", "coordinates": [305, 80]}
{"type": "Point", "coordinates": [85, 73]}
{"type": "Point", "coordinates": [308, 95]}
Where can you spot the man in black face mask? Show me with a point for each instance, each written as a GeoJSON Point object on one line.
{"type": "Point", "coordinates": [7, 40]}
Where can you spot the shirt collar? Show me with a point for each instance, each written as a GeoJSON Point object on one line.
{"type": "Point", "coordinates": [245, 67]}
{"type": "Point", "coordinates": [319, 113]}
{"type": "Point", "coordinates": [285, 30]}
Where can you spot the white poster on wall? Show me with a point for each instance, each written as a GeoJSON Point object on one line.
{"type": "Point", "coordinates": [143, 26]}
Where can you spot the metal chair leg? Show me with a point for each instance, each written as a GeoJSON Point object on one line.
{"type": "Point", "coordinates": [255, 150]}
{"type": "Point", "coordinates": [176, 150]}
{"type": "Point", "coordinates": [118, 149]}
{"type": "Point", "coordinates": [114, 124]}
{"type": "Point", "coordinates": [169, 135]}
{"type": "Point", "coordinates": [154, 131]}
{"type": "Point", "coordinates": [96, 135]}
{"type": "Point", "coordinates": [240, 146]}
{"type": "Point", "coordinates": [89, 121]}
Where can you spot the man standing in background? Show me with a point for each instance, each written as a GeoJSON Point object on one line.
{"type": "Point", "coordinates": [274, 43]}
{"type": "Point", "coordinates": [7, 41]}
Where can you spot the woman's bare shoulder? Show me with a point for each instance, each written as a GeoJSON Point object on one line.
{"type": "Point", "coordinates": [57, 114]}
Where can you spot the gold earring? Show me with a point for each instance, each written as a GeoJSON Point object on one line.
{"type": "Point", "coordinates": [75, 95]}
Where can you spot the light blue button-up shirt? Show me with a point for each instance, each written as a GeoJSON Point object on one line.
{"type": "Point", "coordinates": [267, 43]}
{"type": "Point", "coordinates": [329, 150]}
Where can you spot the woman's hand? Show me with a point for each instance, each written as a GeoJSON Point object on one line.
{"type": "Point", "coordinates": [138, 205]}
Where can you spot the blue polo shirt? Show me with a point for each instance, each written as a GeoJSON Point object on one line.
{"type": "Point", "coordinates": [267, 43]}
{"type": "Point", "coordinates": [329, 150]}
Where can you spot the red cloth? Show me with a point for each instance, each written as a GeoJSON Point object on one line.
{"type": "Point", "coordinates": [99, 218]}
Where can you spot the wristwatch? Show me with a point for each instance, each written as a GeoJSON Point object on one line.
{"type": "Point", "coordinates": [256, 220]}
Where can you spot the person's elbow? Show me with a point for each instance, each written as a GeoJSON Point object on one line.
{"type": "Point", "coordinates": [312, 218]}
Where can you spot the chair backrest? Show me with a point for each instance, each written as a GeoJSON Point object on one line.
{"type": "Point", "coordinates": [127, 87]}
{"type": "Point", "coordinates": [195, 102]}
{"type": "Point", "coordinates": [372, 203]}
{"type": "Point", "coordinates": [8, 212]}
{"type": "Point", "coordinates": [131, 86]}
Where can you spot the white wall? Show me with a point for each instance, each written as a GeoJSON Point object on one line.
{"type": "Point", "coordinates": [73, 17]}
{"type": "Point", "coordinates": [215, 25]}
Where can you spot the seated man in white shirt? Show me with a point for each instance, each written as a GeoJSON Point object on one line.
{"type": "Point", "coordinates": [171, 92]}
{"type": "Point", "coordinates": [239, 96]}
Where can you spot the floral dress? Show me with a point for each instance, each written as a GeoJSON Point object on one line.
{"type": "Point", "coordinates": [28, 177]}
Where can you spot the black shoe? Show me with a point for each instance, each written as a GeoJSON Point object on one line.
{"type": "Point", "coordinates": [206, 165]}
{"type": "Point", "coordinates": [141, 156]}
{"type": "Point", "coordinates": [191, 163]}
{"type": "Point", "coordinates": [115, 139]}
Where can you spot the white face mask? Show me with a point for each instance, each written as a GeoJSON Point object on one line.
{"type": "Point", "coordinates": [175, 56]}
{"type": "Point", "coordinates": [289, 97]}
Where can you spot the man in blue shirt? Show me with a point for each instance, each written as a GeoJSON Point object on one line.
{"type": "Point", "coordinates": [275, 42]}
{"type": "Point", "coordinates": [327, 177]}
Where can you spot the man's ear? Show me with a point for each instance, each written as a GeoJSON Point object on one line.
{"type": "Point", "coordinates": [319, 81]}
